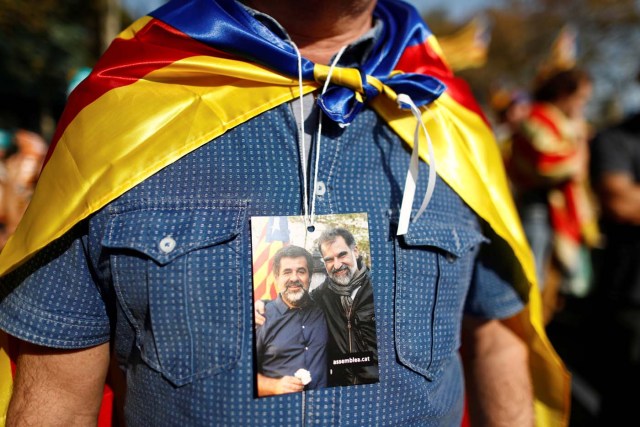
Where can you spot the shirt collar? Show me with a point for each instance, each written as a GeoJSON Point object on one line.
{"type": "Point", "coordinates": [280, 305]}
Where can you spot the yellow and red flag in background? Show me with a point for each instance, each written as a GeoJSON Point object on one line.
{"type": "Point", "coordinates": [469, 46]}
{"type": "Point", "coordinates": [273, 235]}
{"type": "Point", "coordinates": [6, 377]}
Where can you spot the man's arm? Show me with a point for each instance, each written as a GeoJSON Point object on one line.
{"type": "Point", "coordinates": [620, 197]}
{"type": "Point", "coordinates": [258, 312]}
{"type": "Point", "coordinates": [58, 387]}
{"type": "Point", "coordinates": [498, 382]}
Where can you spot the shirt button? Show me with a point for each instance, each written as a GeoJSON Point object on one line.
{"type": "Point", "coordinates": [306, 348]}
{"type": "Point", "coordinates": [320, 188]}
{"type": "Point", "coordinates": [302, 326]}
{"type": "Point", "coordinates": [167, 244]}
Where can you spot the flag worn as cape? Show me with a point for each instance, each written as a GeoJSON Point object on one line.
{"type": "Point", "coordinates": [6, 377]}
{"type": "Point", "coordinates": [162, 89]}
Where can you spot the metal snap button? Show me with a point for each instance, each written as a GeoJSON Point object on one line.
{"type": "Point", "coordinates": [321, 189]}
{"type": "Point", "coordinates": [167, 244]}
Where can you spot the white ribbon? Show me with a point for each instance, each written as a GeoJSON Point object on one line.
{"type": "Point", "coordinates": [414, 168]}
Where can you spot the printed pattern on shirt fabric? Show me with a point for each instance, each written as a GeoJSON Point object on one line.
{"type": "Point", "coordinates": [433, 259]}
{"type": "Point", "coordinates": [187, 303]}
{"type": "Point", "coordinates": [363, 167]}
{"type": "Point", "coordinates": [31, 313]}
{"type": "Point", "coordinates": [353, 194]}
{"type": "Point", "coordinates": [351, 188]}
{"type": "Point", "coordinates": [353, 181]}
{"type": "Point", "coordinates": [227, 401]}
{"type": "Point", "coordinates": [448, 228]}
{"type": "Point", "coordinates": [259, 167]}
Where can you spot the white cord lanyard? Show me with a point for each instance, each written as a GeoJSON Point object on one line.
{"type": "Point", "coordinates": [309, 217]}
{"type": "Point", "coordinates": [412, 172]}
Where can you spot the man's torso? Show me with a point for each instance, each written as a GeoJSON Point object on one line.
{"type": "Point", "coordinates": [172, 259]}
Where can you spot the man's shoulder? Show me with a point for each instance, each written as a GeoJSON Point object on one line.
{"type": "Point", "coordinates": [320, 290]}
{"type": "Point", "coordinates": [366, 281]}
{"type": "Point", "coordinates": [314, 309]}
{"type": "Point", "coordinates": [366, 290]}
{"type": "Point", "coordinates": [273, 308]}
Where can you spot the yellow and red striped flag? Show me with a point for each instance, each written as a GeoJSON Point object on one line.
{"type": "Point", "coordinates": [6, 377]}
{"type": "Point", "coordinates": [469, 46]}
{"type": "Point", "coordinates": [273, 235]}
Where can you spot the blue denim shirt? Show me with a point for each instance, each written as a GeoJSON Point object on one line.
{"type": "Point", "coordinates": [164, 272]}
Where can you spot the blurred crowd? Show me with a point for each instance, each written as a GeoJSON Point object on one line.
{"type": "Point", "coordinates": [577, 190]}
{"type": "Point", "coordinates": [22, 154]}
{"type": "Point", "coordinates": [544, 137]}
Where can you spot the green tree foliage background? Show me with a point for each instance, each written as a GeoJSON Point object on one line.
{"type": "Point", "coordinates": [42, 42]}
{"type": "Point", "coordinates": [608, 35]}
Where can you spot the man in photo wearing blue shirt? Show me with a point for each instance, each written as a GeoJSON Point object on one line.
{"type": "Point", "coordinates": [291, 344]}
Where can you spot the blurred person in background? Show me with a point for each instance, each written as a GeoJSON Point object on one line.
{"type": "Point", "coordinates": [548, 168]}
{"type": "Point", "coordinates": [22, 169]}
{"type": "Point", "coordinates": [5, 146]}
{"type": "Point", "coordinates": [510, 108]}
{"type": "Point", "coordinates": [615, 166]}
{"type": "Point", "coordinates": [6, 141]}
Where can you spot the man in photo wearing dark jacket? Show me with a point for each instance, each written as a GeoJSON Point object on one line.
{"type": "Point", "coordinates": [346, 297]}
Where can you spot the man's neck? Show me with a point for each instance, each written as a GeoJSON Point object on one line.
{"type": "Point", "coordinates": [319, 27]}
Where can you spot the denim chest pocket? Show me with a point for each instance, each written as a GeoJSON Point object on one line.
{"type": "Point", "coordinates": [176, 272]}
{"type": "Point", "coordinates": [434, 266]}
